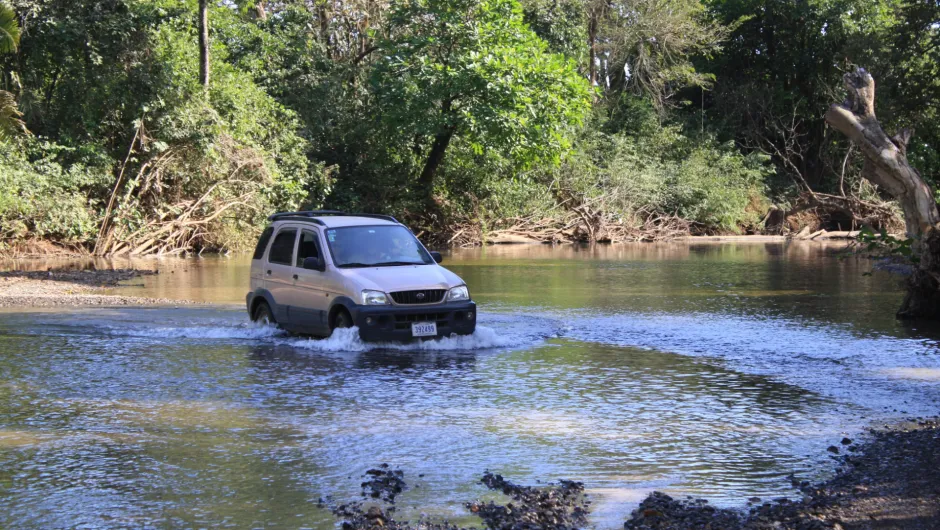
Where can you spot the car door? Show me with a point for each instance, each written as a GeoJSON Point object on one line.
{"type": "Point", "coordinates": [278, 270]}
{"type": "Point", "coordinates": [257, 259]}
{"type": "Point", "coordinates": [309, 300]}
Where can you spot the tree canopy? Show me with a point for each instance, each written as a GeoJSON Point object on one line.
{"type": "Point", "coordinates": [575, 119]}
{"type": "Point", "coordinates": [473, 69]}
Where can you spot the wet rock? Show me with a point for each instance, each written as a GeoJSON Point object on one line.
{"type": "Point", "coordinates": [833, 449]}
{"type": "Point", "coordinates": [383, 483]}
{"type": "Point", "coordinates": [846, 441]}
{"type": "Point", "coordinates": [661, 512]}
{"type": "Point", "coordinates": [892, 479]}
{"type": "Point", "coordinates": [552, 507]}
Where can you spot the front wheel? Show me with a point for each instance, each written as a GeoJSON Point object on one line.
{"type": "Point", "coordinates": [342, 319]}
{"type": "Point", "coordinates": [263, 315]}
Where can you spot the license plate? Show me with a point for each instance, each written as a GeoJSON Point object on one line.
{"type": "Point", "coordinates": [424, 329]}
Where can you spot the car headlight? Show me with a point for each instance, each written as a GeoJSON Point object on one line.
{"type": "Point", "coordinates": [458, 294]}
{"type": "Point", "coordinates": [374, 298]}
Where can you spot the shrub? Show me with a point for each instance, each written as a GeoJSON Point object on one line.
{"type": "Point", "coordinates": [41, 198]}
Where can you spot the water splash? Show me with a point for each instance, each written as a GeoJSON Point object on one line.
{"type": "Point", "coordinates": [495, 331]}
{"type": "Point", "coordinates": [347, 340]}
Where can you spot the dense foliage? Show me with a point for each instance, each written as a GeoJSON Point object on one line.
{"type": "Point", "coordinates": [449, 113]}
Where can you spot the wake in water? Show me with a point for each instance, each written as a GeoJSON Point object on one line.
{"type": "Point", "coordinates": [496, 331]}
{"type": "Point", "coordinates": [247, 331]}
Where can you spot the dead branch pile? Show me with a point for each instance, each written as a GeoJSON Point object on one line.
{"type": "Point", "coordinates": [813, 212]}
{"type": "Point", "coordinates": [175, 201]}
{"type": "Point", "coordinates": [578, 225]}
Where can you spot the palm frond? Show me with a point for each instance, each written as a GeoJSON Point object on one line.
{"type": "Point", "coordinates": [10, 122]}
{"type": "Point", "coordinates": [9, 28]}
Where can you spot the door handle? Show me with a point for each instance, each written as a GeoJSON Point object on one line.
{"type": "Point", "coordinates": [295, 276]}
{"type": "Point", "coordinates": [268, 273]}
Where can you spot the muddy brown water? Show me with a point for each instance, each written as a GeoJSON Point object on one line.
{"type": "Point", "coordinates": [712, 370]}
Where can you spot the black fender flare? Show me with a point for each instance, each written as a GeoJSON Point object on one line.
{"type": "Point", "coordinates": [341, 301]}
{"type": "Point", "coordinates": [255, 297]}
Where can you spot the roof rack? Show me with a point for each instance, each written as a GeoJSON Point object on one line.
{"type": "Point", "coordinates": [307, 213]}
{"type": "Point", "coordinates": [324, 213]}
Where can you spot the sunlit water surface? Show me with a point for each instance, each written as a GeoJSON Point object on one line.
{"type": "Point", "coordinates": [707, 370]}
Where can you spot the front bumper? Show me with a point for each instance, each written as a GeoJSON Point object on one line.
{"type": "Point", "coordinates": [393, 323]}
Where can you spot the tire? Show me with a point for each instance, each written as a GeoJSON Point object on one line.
{"type": "Point", "coordinates": [342, 319]}
{"type": "Point", "coordinates": [263, 315]}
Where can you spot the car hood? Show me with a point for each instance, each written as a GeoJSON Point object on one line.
{"type": "Point", "coordinates": [406, 278]}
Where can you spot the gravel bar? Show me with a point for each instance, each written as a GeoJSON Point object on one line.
{"type": "Point", "coordinates": [64, 288]}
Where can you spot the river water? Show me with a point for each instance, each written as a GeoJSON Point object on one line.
{"type": "Point", "coordinates": [712, 370]}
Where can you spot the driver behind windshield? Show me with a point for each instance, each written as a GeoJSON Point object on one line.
{"type": "Point", "coordinates": [380, 245]}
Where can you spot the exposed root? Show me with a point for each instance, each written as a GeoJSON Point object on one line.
{"type": "Point", "coordinates": [834, 213]}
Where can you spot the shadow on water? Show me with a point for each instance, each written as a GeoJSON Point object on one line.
{"type": "Point", "coordinates": [282, 358]}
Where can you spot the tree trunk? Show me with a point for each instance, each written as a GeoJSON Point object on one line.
{"type": "Point", "coordinates": [435, 157]}
{"type": "Point", "coordinates": [204, 43]}
{"type": "Point", "coordinates": [260, 11]}
{"type": "Point", "coordinates": [886, 166]}
{"type": "Point", "coordinates": [592, 48]}
{"type": "Point", "coordinates": [323, 16]}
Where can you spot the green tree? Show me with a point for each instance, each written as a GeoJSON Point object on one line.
{"type": "Point", "coordinates": [645, 47]}
{"type": "Point", "coordinates": [473, 69]}
{"type": "Point", "coordinates": [650, 45]}
{"type": "Point", "coordinates": [10, 123]}
{"type": "Point", "coordinates": [784, 64]}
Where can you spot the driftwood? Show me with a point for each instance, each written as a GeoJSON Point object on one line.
{"type": "Point", "coordinates": [886, 165]}
{"type": "Point", "coordinates": [821, 235]}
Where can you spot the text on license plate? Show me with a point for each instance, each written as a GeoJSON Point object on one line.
{"type": "Point", "coordinates": [424, 329]}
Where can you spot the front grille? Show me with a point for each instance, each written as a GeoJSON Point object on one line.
{"type": "Point", "coordinates": [427, 296]}
{"type": "Point", "coordinates": [405, 321]}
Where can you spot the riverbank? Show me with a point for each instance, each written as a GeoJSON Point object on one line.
{"type": "Point", "coordinates": [890, 481]}
{"type": "Point", "coordinates": [65, 288]}
{"type": "Point", "coordinates": [51, 251]}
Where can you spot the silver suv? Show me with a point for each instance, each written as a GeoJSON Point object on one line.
{"type": "Point", "coordinates": [313, 272]}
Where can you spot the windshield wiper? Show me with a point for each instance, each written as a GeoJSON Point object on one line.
{"type": "Point", "coordinates": [381, 264]}
{"type": "Point", "coordinates": [398, 263]}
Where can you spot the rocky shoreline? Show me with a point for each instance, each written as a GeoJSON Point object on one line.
{"type": "Point", "coordinates": [65, 288]}
{"type": "Point", "coordinates": [891, 481]}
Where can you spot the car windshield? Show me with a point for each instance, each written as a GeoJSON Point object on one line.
{"type": "Point", "coordinates": [375, 246]}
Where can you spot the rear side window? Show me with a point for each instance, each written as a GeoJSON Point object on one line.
{"type": "Point", "coordinates": [282, 250]}
{"type": "Point", "coordinates": [263, 242]}
{"type": "Point", "coordinates": [308, 247]}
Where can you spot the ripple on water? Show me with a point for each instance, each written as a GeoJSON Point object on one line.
{"type": "Point", "coordinates": [194, 416]}
{"type": "Point", "coordinates": [863, 369]}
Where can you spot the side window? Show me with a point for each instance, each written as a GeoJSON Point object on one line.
{"type": "Point", "coordinates": [308, 247]}
{"type": "Point", "coordinates": [263, 242]}
{"type": "Point", "coordinates": [282, 250]}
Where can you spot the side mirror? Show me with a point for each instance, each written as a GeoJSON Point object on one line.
{"type": "Point", "coordinates": [437, 256]}
{"type": "Point", "coordinates": [314, 264]}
